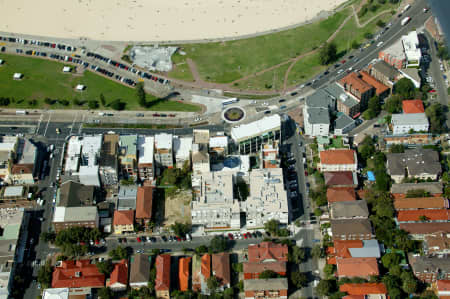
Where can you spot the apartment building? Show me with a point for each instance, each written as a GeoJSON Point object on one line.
{"type": "Point", "coordinates": [200, 159]}
{"type": "Point", "coordinates": [164, 150]}
{"type": "Point", "coordinates": [88, 172]}
{"type": "Point", "coordinates": [108, 161]}
{"type": "Point", "coordinates": [128, 155]}
{"type": "Point", "coordinates": [24, 170]}
{"type": "Point", "coordinates": [338, 160]}
{"type": "Point", "coordinates": [356, 86]}
{"type": "Point", "coordinates": [407, 123]}
{"type": "Point", "coordinates": [146, 166]}
{"type": "Point", "coordinates": [66, 217]}
{"type": "Point", "coordinates": [182, 147]}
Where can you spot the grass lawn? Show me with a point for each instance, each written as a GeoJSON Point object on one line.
{"type": "Point", "coordinates": [180, 69]}
{"type": "Point", "coordinates": [271, 80]}
{"type": "Point", "coordinates": [224, 62]}
{"type": "Point", "coordinates": [379, 8]}
{"type": "Point", "coordinates": [45, 79]}
{"type": "Point", "coordinates": [305, 69]}
{"type": "Point", "coordinates": [250, 96]}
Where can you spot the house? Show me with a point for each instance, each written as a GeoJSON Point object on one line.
{"type": "Point", "coordinates": [144, 205]}
{"type": "Point", "coordinates": [356, 86]}
{"type": "Point", "coordinates": [424, 215]}
{"type": "Point", "coordinates": [340, 194]}
{"type": "Point", "coordinates": [384, 73]}
{"type": "Point", "coordinates": [412, 49]}
{"type": "Point", "coordinates": [58, 293]}
{"type": "Point", "coordinates": [146, 165]}
{"type": "Point", "coordinates": [419, 230]}
{"type": "Point", "coordinates": [407, 123]}
{"type": "Point", "coordinates": [221, 269]}
{"type": "Point", "coordinates": [413, 106]}
{"type": "Point", "coordinates": [265, 256]}
{"type": "Point", "coordinates": [128, 155]}
{"type": "Point", "coordinates": [437, 244]}
{"type": "Point", "coordinates": [394, 55]}
{"type": "Point", "coordinates": [266, 288]}
{"type": "Point", "coordinates": [429, 269]}
{"type": "Point", "coordinates": [182, 147]}
{"type": "Point", "coordinates": [270, 155]}
{"type": "Point", "coordinates": [357, 267]}
{"type": "Point", "coordinates": [338, 160]}
{"type": "Point", "coordinates": [337, 179]}
{"type": "Point", "coordinates": [267, 199]}
{"type": "Point", "coordinates": [8, 150]}
{"type": "Point", "coordinates": [421, 203]}
{"type": "Point", "coordinates": [365, 290]}
{"type": "Point", "coordinates": [353, 248]}
{"type": "Point", "coordinates": [183, 273]}
{"type": "Point", "coordinates": [200, 159]}
{"type": "Point", "coordinates": [119, 276]}
{"type": "Point", "coordinates": [443, 288]}
{"type": "Point", "coordinates": [410, 139]}
{"type": "Point", "coordinates": [316, 121]}
{"type": "Point", "coordinates": [24, 170]}
{"type": "Point", "coordinates": [356, 209]}
{"type": "Point", "coordinates": [162, 281]}
{"type": "Point", "coordinates": [381, 91]}
{"type": "Point", "coordinates": [72, 194]}
{"type": "Point", "coordinates": [201, 271]}
{"type": "Point", "coordinates": [79, 276]}
{"type": "Point", "coordinates": [108, 160]}
{"type": "Point", "coordinates": [123, 221]}
{"type": "Point", "coordinates": [349, 105]}
{"type": "Point", "coordinates": [413, 74]}
{"type": "Point", "coordinates": [414, 163]}
{"type": "Point", "coordinates": [66, 217]}
{"type": "Point", "coordinates": [432, 188]}
{"type": "Point", "coordinates": [354, 229]}
{"type": "Point", "coordinates": [127, 197]}
{"type": "Point", "coordinates": [139, 271]}
{"type": "Point", "coordinates": [343, 124]}
{"type": "Point", "coordinates": [250, 137]}
{"type": "Point", "coordinates": [164, 150]}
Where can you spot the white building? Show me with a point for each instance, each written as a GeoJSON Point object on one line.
{"type": "Point", "coordinates": [403, 123]}
{"type": "Point", "coordinates": [412, 50]}
{"type": "Point", "coordinates": [164, 150]}
{"type": "Point", "coordinates": [56, 293]}
{"type": "Point", "coordinates": [213, 206]}
{"type": "Point", "coordinates": [218, 145]}
{"type": "Point", "coordinates": [182, 147]}
{"type": "Point", "coordinates": [200, 159]}
{"type": "Point", "coordinates": [316, 121]}
{"type": "Point", "coordinates": [90, 153]}
{"type": "Point", "coordinates": [73, 153]}
{"type": "Point", "coordinates": [146, 165]}
{"type": "Point", "coordinates": [238, 165]}
{"type": "Point", "coordinates": [268, 199]}
{"type": "Point", "coordinates": [338, 160]}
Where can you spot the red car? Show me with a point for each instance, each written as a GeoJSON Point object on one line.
{"type": "Point", "coordinates": [433, 90]}
{"type": "Point", "coordinates": [230, 236]}
{"type": "Point", "coordinates": [306, 173]}
{"type": "Point", "coordinates": [97, 242]}
{"type": "Point", "coordinates": [249, 235]}
{"type": "Point", "coordinates": [138, 239]}
{"type": "Point", "coordinates": [343, 61]}
{"type": "Point", "coordinates": [178, 239]}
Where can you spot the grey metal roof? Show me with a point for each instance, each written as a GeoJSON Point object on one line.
{"type": "Point", "coordinates": [321, 99]}
{"type": "Point", "coordinates": [266, 284]}
{"type": "Point", "coordinates": [429, 264]}
{"type": "Point", "coordinates": [371, 248]}
{"type": "Point", "coordinates": [72, 194]}
{"type": "Point", "coordinates": [335, 90]}
{"type": "Point", "coordinates": [417, 161]}
{"type": "Point", "coordinates": [386, 69]}
{"type": "Point", "coordinates": [349, 209]}
{"type": "Point", "coordinates": [348, 101]}
{"type": "Point", "coordinates": [432, 187]}
{"type": "Point", "coordinates": [351, 226]}
{"type": "Point", "coordinates": [318, 116]}
{"type": "Point", "coordinates": [409, 119]}
{"type": "Point", "coordinates": [343, 121]}
{"type": "Point", "coordinates": [126, 204]}
{"type": "Point", "coordinates": [127, 191]}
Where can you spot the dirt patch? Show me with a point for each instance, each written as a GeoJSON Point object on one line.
{"type": "Point", "coordinates": [177, 208]}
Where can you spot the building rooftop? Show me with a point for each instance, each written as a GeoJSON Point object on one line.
{"type": "Point", "coordinates": [431, 187]}
{"type": "Point", "coordinates": [278, 267]}
{"type": "Point", "coordinates": [125, 217]}
{"type": "Point", "coordinates": [318, 116]}
{"type": "Point", "coordinates": [266, 284]}
{"type": "Point", "coordinates": [162, 281]}
{"type": "Point", "coordinates": [128, 191]}
{"type": "Point", "coordinates": [355, 81]}
{"type": "Point", "coordinates": [201, 136]}
{"type": "Point", "coordinates": [13, 191]}
{"type": "Point", "coordinates": [422, 264]}
{"type": "Point", "coordinates": [140, 268]}
{"type": "Point", "coordinates": [256, 128]}
{"type": "Point", "coordinates": [338, 156]}
{"type": "Point", "coordinates": [73, 153]}
{"type": "Point", "coordinates": [127, 148]}
{"type": "Point", "coordinates": [182, 146]}
{"type": "Point", "coordinates": [321, 99]}
{"type": "Point", "coordinates": [411, 46]}
{"type": "Point", "coordinates": [26, 152]}
{"type": "Point", "coordinates": [416, 215]}
{"type": "Point", "coordinates": [145, 147]}
{"type": "Point", "coordinates": [267, 252]}
{"type": "Point", "coordinates": [437, 242]}
{"type": "Point", "coordinates": [413, 106]}
{"type": "Point", "coordinates": [396, 50]}
{"type": "Point", "coordinates": [409, 119]}
{"type": "Point", "coordinates": [144, 202]}
{"type": "Point", "coordinates": [77, 274]}
{"type": "Point", "coordinates": [421, 203]}
{"type": "Point", "coordinates": [119, 273]}
{"type": "Point", "coordinates": [340, 178]}
{"type": "Point", "coordinates": [183, 274]}
{"type": "Point", "coordinates": [90, 150]}
{"type": "Point", "coordinates": [218, 141]}
{"type": "Point", "coordinates": [163, 141]}
{"type": "Point", "coordinates": [386, 69]}
{"type": "Point", "coordinates": [340, 194]}
{"type": "Point", "coordinates": [363, 289]}
{"type": "Point", "coordinates": [351, 226]}
{"type": "Point", "coordinates": [424, 228]}
{"type": "Point", "coordinates": [109, 150]}
{"type": "Point", "coordinates": [349, 209]}
{"type": "Point", "coordinates": [221, 267]}
{"type": "Point", "coordinates": [417, 161]}
{"type": "Point", "coordinates": [72, 194]}
{"type": "Point", "coordinates": [380, 88]}
{"type": "Point", "coordinates": [443, 285]}
{"type": "Point", "coordinates": [56, 293]}
{"type": "Point", "coordinates": [343, 121]}
{"type": "Point", "coordinates": [72, 214]}
{"type": "Point", "coordinates": [357, 267]}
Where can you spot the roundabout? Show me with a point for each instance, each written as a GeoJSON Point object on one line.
{"type": "Point", "coordinates": [233, 114]}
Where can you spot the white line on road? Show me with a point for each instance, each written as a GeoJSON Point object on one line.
{"type": "Point", "coordinates": [73, 124]}
{"type": "Point", "coordinates": [81, 124]}
{"type": "Point", "coordinates": [48, 121]}
{"type": "Point", "coordinates": [39, 124]}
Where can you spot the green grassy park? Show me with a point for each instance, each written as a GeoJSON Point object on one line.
{"type": "Point", "coordinates": [44, 79]}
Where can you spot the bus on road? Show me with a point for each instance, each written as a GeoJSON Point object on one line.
{"type": "Point", "coordinates": [229, 101]}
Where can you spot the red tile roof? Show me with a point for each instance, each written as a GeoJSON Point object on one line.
{"type": "Point", "coordinates": [267, 251]}
{"type": "Point", "coordinates": [340, 194]}
{"type": "Point", "coordinates": [421, 203]}
{"type": "Point", "coordinates": [355, 81]}
{"type": "Point", "coordinates": [359, 289]}
{"type": "Point", "coordinates": [123, 217]}
{"type": "Point", "coordinates": [339, 156]}
{"type": "Point", "coordinates": [206, 266]}
{"type": "Point", "coordinates": [162, 281]}
{"type": "Point", "coordinates": [278, 267]}
{"type": "Point", "coordinates": [144, 202]}
{"type": "Point", "coordinates": [221, 267]}
{"type": "Point", "coordinates": [425, 228]}
{"type": "Point", "coordinates": [340, 249]}
{"type": "Point", "coordinates": [443, 285]}
{"type": "Point", "coordinates": [183, 273]}
{"type": "Point", "coordinates": [354, 297]}
{"type": "Point", "coordinates": [77, 274]}
{"type": "Point", "coordinates": [414, 215]}
{"type": "Point", "coordinates": [338, 178]}
{"type": "Point", "coordinates": [380, 88]}
{"type": "Point", "coordinates": [357, 267]}
{"type": "Point", "coordinates": [413, 106]}
{"type": "Point", "coordinates": [120, 273]}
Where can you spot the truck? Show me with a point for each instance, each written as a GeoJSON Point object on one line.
{"type": "Point", "coordinates": [406, 21]}
{"type": "Point", "coordinates": [21, 112]}
{"type": "Point", "coordinates": [406, 8]}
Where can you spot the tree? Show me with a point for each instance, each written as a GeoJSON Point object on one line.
{"type": "Point", "coordinates": [105, 267]}
{"type": "Point", "coordinates": [397, 148]}
{"type": "Point", "coordinates": [367, 148]}
{"type": "Point", "coordinates": [299, 279]}
{"type": "Point", "coordinates": [118, 253]}
{"type": "Point", "coordinates": [414, 193]}
{"type": "Point", "coordinates": [44, 276]}
{"type": "Point", "coordinates": [381, 24]}
{"type": "Point", "coordinates": [374, 105]}
{"type": "Point", "coordinates": [238, 267]}
{"type": "Point", "coordinates": [48, 236]}
{"type": "Point", "coordinates": [93, 104]}
{"type": "Point", "coordinates": [213, 283]}
{"type": "Point", "coordinates": [393, 104]}
{"type": "Point", "coordinates": [218, 244]}
{"type": "Point", "coordinates": [328, 53]}
{"type": "Point", "coordinates": [272, 226]}
{"type": "Point", "coordinates": [105, 293]}
{"type": "Point", "coordinates": [442, 52]}
{"type": "Point", "coordinates": [140, 93]}
{"type": "Point", "coordinates": [391, 259]}
{"type": "Point", "coordinates": [317, 252]}
{"type": "Point", "coordinates": [117, 105]}
{"type": "Point", "coordinates": [201, 250]}
{"type": "Point", "coordinates": [266, 274]}
{"type": "Point", "coordinates": [329, 269]}
{"type": "Point", "coordinates": [409, 282]}
{"type": "Point", "coordinates": [296, 255]}
{"type": "Point", "coordinates": [318, 212]}
{"type": "Point", "coordinates": [180, 229]}
{"type": "Point", "coordinates": [404, 88]}
{"type": "Point", "coordinates": [102, 100]}
{"type": "Point", "coordinates": [355, 44]}
{"type": "Point", "coordinates": [437, 117]}
{"type": "Point", "coordinates": [325, 287]}
{"type": "Point", "coordinates": [228, 293]}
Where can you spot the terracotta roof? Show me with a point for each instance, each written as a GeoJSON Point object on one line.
{"type": "Point", "coordinates": [354, 297]}
{"type": "Point", "coordinates": [339, 156]}
{"type": "Point", "coordinates": [206, 266]}
{"type": "Point", "coordinates": [278, 267]}
{"type": "Point", "coordinates": [340, 248]}
{"type": "Point", "coordinates": [413, 106]}
{"type": "Point", "coordinates": [437, 242]}
{"type": "Point", "coordinates": [183, 273]}
{"type": "Point", "coordinates": [340, 194]}
{"type": "Point", "coordinates": [140, 269]}
{"type": "Point", "coordinates": [414, 215]}
{"type": "Point", "coordinates": [443, 285]}
{"type": "Point", "coordinates": [425, 228]}
{"type": "Point", "coordinates": [144, 201]}
{"type": "Point", "coordinates": [77, 274]}
{"type": "Point", "coordinates": [120, 273]}
{"type": "Point", "coordinates": [267, 251]}
{"type": "Point", "coordinates": [363, 288]}
{"type": "Point", "coordinates": [162, 281]}
{"type": "Point", "coordinates": [338, 178]}
{"type": "Point", "coordinates": [355, 81]}
{"type": "Point", "coordinates": [357, 267]}
{"type": "Point", "coordinates": [123, 217]}
{"type": "Point", "coordinates": [380, 88]}
{"type": "Point", "coordinates": [421, 203]}
{"type": "Point", "coordinates": [221, 267]}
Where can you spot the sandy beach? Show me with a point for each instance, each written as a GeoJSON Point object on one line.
{"type": "Point", "coordinates": [155, 20]}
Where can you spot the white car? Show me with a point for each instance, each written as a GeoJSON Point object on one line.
{"type": "Point", "coordinates": [379, 44]}
{"type": "Point", "coordinates": [340, 71]}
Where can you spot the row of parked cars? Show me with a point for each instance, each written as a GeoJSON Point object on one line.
{"type": "Point", "coordinates": [120, 65]}
{"type": "Point", "coordinates": [38, 43]}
